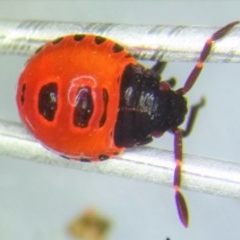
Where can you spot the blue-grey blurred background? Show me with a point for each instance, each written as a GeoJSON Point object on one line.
{"type": "Point", "coordinates": [37, 201]}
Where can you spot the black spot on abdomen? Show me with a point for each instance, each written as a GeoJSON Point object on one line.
{"type": "Point", "coordinates": [117, 48]}
{"type": "Point", "coordinates": [22, 97]}
{"type": "Point", "coordinates": [47, 101]}
{"type": "Point", "coordinates": [57, 40]}
{"type": "Point", "coordinates": [99, 40]}
{"type": "Point", "coordinates": [105, 104]}
{"type": "Point", "coordinates": [79, 37]}
{"type": "Point", "coordinates": [83, 107]}
{"type": "Point", "coordinates": [103, 157]}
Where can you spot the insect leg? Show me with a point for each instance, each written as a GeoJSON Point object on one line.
{"type": "Point", "coordinates": [192, 117]}
{"type": "Point", "coordinates": [158, 67]}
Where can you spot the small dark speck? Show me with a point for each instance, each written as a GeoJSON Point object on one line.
{"type": "Point", "coordinates": [22, 99]}
{"type": "Point", "coordinates": [103, 157]}
{"type": "Point", "coordinates": [57, 40]}
{"type": "Point", "coordinates": [23, 87]}
{"type": "Point", "coordinates": [128, 55]}
{"type": "Point", "coordinates": [39, 49]}
{"type": "Point", "coordinates": [99, 39]}
{"type": "Point", "coordinates": [84, 160]}
{"type": "Point", "coordinates": [79, 37]}
{"type": "Point", "coordinates": [63, 156]}
{"type": "Point", "coordinates": [117, 48]}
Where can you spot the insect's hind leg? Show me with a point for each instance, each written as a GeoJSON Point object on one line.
{"type": "Point", "coordinates": [158, 68]}
{"type": "Point", "coordinates": [192, 117]}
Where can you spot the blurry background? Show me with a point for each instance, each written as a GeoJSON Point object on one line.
{"type": "Point", "coordinates": [37, 201]}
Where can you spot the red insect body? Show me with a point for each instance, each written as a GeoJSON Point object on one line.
{"type": "Point", "coordinates": [73, 65]}
{"type": "Point", "coordinates": [86, 98]}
